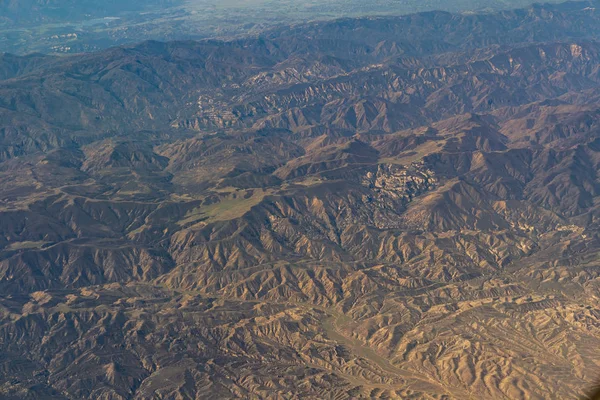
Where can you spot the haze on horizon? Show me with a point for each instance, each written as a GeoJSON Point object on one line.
{"type": "Point", "coordinates": [399, 207]}
{"type": "Point", "coordinates": [70, 26]}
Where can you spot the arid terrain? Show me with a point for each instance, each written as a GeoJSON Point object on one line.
{"type": "Point", "coordinates": [384, 207]}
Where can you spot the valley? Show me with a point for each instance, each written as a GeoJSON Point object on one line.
{"type": "Point", "coordinates": [394, 207]}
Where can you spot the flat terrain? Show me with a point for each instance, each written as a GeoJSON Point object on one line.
{"type": "Point", "coordinates": [67, 26]}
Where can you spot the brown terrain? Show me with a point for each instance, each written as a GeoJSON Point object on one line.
{"type": "Point", "coordinates": [401, 207]}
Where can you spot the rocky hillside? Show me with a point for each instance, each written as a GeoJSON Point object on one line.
{"type": "Point", "coordinates": [399, 207]}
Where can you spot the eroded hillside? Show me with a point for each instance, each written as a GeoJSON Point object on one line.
{"type": "Point", "coordinates": [374, 208]}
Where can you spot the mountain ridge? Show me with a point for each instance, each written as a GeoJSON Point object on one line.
{"type": "Point", "coordinates": [322, 211]}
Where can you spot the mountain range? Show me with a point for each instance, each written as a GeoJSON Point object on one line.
{"type": "Point", "coordinates": [69, 26]}
{"type": "Point", "coordinates": [379, 207]}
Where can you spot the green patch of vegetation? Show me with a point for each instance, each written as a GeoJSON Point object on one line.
{"type": "Point", "coordinates": [27, 245]}
{"type": "Point", "coordinates": [310, 181]}
{"type": "Point", "coordinates": [417, 154]}
{"type": "Point", "coordinates": [234, 206]}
